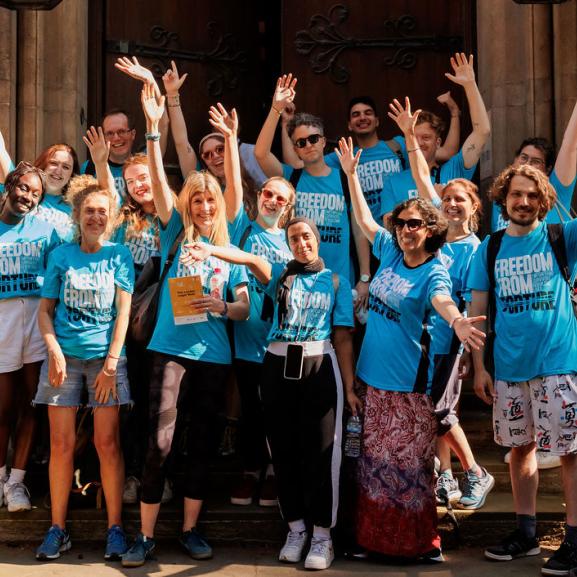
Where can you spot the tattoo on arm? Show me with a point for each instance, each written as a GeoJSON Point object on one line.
{"type": "Point", "coordinates": [471, 148]}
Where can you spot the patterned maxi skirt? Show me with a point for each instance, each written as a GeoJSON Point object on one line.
{"type": "Point", "coordinates": [397, 513]}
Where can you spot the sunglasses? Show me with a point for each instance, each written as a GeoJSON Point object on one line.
{"type": "Point", "coordinates": [209, 154]}
{"type": "Point", "coordinates": [269, 195]}
{"type": "Point", "coordinates": [311, 138]}
{"type": "Point", "coordinates": [412, 224]}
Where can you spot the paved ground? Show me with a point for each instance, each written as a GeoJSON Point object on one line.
{"type": "Point", "coordinates": [85, 560]}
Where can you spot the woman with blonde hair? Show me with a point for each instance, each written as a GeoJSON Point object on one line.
{"type": "Point", "coordinates": [191, 352]}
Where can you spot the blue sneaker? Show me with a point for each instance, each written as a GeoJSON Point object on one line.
{"type": "Point", "coordinates": [475, 490]}
{"type": "Point", "coordinates": [55, 542]}
{"type": "Point", "coordinates": [116, 544]}
{"type": "Point", "coordinates": [195, 545]}
{"type": "Point", "coordinates": [139, 552]}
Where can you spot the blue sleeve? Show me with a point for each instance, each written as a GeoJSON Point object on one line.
{"type": "Point", "coordinates": [51, 286]}
{"type": "Point", "coordinates": [270, 288]}
{"type": "Point", "coordinates": [387, 197]}
{"type": "Point", "coordinates": [287, 171]}
{"type": "Point", "coordinates": [343, 315]}
{"type": "Point", "coordinates": [83, 167]}
{"type": "Point", "coordinates": [124, 270]}
{"type": "Point", "coordinates": [478, 278]}
{"type": "Point", "coordinates": [564, 194]}
{"type": "Point", "coordinates": [238, 275]}
{"type": "Point", "coordinates": [237, 227]}
{"type": "Point", "coordinates": [382, 239]}
{"type": "Point", "coordinates": [455, 168]}
{"type": "Point", "coordinates": [169, 232]}
{"type": "Point", "coordinates": [439, 283]}
{"type": "Point", "coordinates": [332, 160]}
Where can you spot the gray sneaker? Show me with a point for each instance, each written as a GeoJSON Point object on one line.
{"type": "Point", "coordinates": [17, 497]}
{"type": "Point", "coordinates": [475, 490]}
{"type": "Point", "coordinates": [447, 488]}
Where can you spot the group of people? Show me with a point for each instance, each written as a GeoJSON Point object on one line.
{"type": "Point", "coordinates": [272, 250]}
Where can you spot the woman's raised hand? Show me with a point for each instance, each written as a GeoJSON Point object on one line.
{"type": "Point", "coordinates": [405, 119]}
{"type": "Point", "coordinates": [153, 109]}
{"type": "Point", "coordinates": [225, 123]}
{"type": "Point", "coordinates": [172, 80]}
{"type": "Point", "coordinates": [134, 69]}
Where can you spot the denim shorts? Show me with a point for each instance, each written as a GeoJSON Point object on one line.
{"type": "Point", "coordinates": [80, 377]}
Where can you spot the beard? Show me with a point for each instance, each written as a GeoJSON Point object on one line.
{"type": "Point", "coordinates": [523, 222]}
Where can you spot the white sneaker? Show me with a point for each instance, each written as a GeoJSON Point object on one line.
{"type": "Point", "coordinates": [130, 493]}
{"type": "Point", "coordinates": [17, 497]}
{"type": "Point", "coordinates": [293, 548]}
{"type": "Point", "coordinates": [544, 460]}
{"type": "Point", "coordinates": [321, 554]}
{"type": "Point", "coordinates": [166, 492]}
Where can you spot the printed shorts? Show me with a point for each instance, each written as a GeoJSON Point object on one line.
{"type": "Point", "coordinates": [80, 375]}
{"type": "Point", "coordinates": [20, 340]}
{"type": "Point", "coordinates": [543, 410]}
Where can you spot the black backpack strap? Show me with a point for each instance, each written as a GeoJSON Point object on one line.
{"type": "Point", "coordinates": [244, 237]}
{"type": "Point", "coordinates": [170, 257]}
{"type": "Point", "coordinates": [557, 242]}
{"type": "Point", "coordinates": [396, 148]}
{"type": "Point", "coordinates": [436, 174]}
{"type": "Point", "coordinates": [345, 187]}
{"type": "Point", "coordinates": [295, 177]}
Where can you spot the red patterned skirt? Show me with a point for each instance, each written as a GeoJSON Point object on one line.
{"type": "Point", "coordinates": [396, 512]}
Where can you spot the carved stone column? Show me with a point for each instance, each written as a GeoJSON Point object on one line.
{"type": "Point", "coordinates": [8, 77]}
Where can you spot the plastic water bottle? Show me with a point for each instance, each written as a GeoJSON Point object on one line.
{"type": "Point", "coordinates": [217, 286]}
{"type": "Point", "coordinates": [353, 437]}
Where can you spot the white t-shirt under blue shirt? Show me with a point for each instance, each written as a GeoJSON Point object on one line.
{"type": "Point", "coordinates": [561, 212]}
{"type": "Point", "coordinates": [251, 336]}
{"type": "Point", "coordinates": [24, 250]}
{"type": "Point", "coordinates": [85, 286]}
{"type": "Point", "coordinates": [402, 186]}
{"type": "Point", "coordinates": [394, 355]}
{"type": "Point", "coordinates": [204, 341]}
{"type": "Point", "coordinates": [377, 163]}
{"type": "Point", "coordinates": [314, 308]}
{"type": "Point", "coordinates": [321, 199]}
{"type": "Point", "coordinates": [535, 328]}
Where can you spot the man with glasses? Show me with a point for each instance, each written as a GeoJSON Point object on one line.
{"type": "Point", "coordinates": [320, 191]}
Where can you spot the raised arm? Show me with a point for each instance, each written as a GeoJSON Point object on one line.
{"type": "Point", "coordinates": [5, 160]}
{"type": "Point", "coordinates": [289, 156]}
{"type": "Point", "coordinates": [135, 70]}
{"type": "Point", "coordinates": [227, 125]}
{"type": "Point", "coordinates": [349, 162]}
{"type": "Point", "coordinates": [200, 251]}
{"type": "Point", "coordinates": [451, 145]}
{"type": "Point", "coordinates": [566, 163]}
{"type": "Point", "coordinates": [99, 150]}
{"type": "Point", "coordinates": [153, 111]}
{"type": "Point", "coordinates": [187, 158]}
{"type": "Point", "coordinates": [406, 121]}
{"type": "Point", "coordinates": [464, 74]}
{"type": "Point", "coordinates": [284, 93]}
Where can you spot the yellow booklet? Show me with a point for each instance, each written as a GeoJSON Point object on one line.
{"type": "Point", "coordinates": [183, 290]}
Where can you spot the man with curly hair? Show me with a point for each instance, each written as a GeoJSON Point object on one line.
{"type": "Point", "coordinates": [534, 394]}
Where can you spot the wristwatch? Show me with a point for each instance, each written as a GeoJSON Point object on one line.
{"type": "Point", "coordinates": [365, 278]}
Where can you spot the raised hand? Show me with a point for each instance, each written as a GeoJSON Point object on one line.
{"type": "Point", "coordinates": [134, 69]}
{"type": "Point", "coordinates": [345, 153]}
{"type": "Point", "coordinates": [225, 123]}
{"type": "Point", "coordinates": [284, 92]}
{"type": "Point", "coordinates": [152, 109]}
{"type": "Point", "coordinates": [404, 118]}
{"type": "Point", "coordinates": [172, 80]}
{"type": "Point", "coordinates": [97, 145]}
{"type": "Point", "coordinates": [447, 100]}
{"type": "Point", "coordinates": [463, 71]}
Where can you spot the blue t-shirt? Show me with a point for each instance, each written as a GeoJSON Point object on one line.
{"type": "Point", "coordinates": [559, 213]}
{"type": "Point", "coordinates": [313, 309]}
{"type": "Point", "coordinates": [55, 210]}
{"type": "Point", "coordinates": [376, 164]}
{"type": "Point", "coordinates": [321, 199]}
{"type": "Point", "coordinates": [402, 186]}
{"type": "Point", "coordinates": [535, 328]}
{"type": "Point", "coordinates": [24, 250]}
{"type": "Point", "coordinates": [457, 257]}
{"type": "Point", "coordinates": [116, 169]}
{"type": "Point", "coordinates": [250, 336]}
{"type": "Point", "coordinates": [85, 286]}
{"type": "Point", "coordinates": [142, 245]}
{"type": "Point", "coordinates": [204, 341]}
{"type": "Point", "coordinates": [400, 304]}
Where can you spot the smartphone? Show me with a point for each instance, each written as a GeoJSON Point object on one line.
{"type": "Point", "coordinates": [293, 363]}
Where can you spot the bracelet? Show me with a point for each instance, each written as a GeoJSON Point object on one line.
{"type": "Point", "coordinates": [155, 137]}
{"type": "Point", "coordinates": [225, 310]}
{"type": "Point", "coordinates": [414, 149]}
{"type": "Point", "coordinates": [173, 105]}
{"type": "Point", "coordinates": [112, 357]}
{"type": "Point", "coordinates": [175, 98]}
{"type": "Point", "coordinates": [453, 321]}
{"type": "Point", "coordinates": [113, 374]}
{"type": "Point", "coordinates": [279, 112]}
